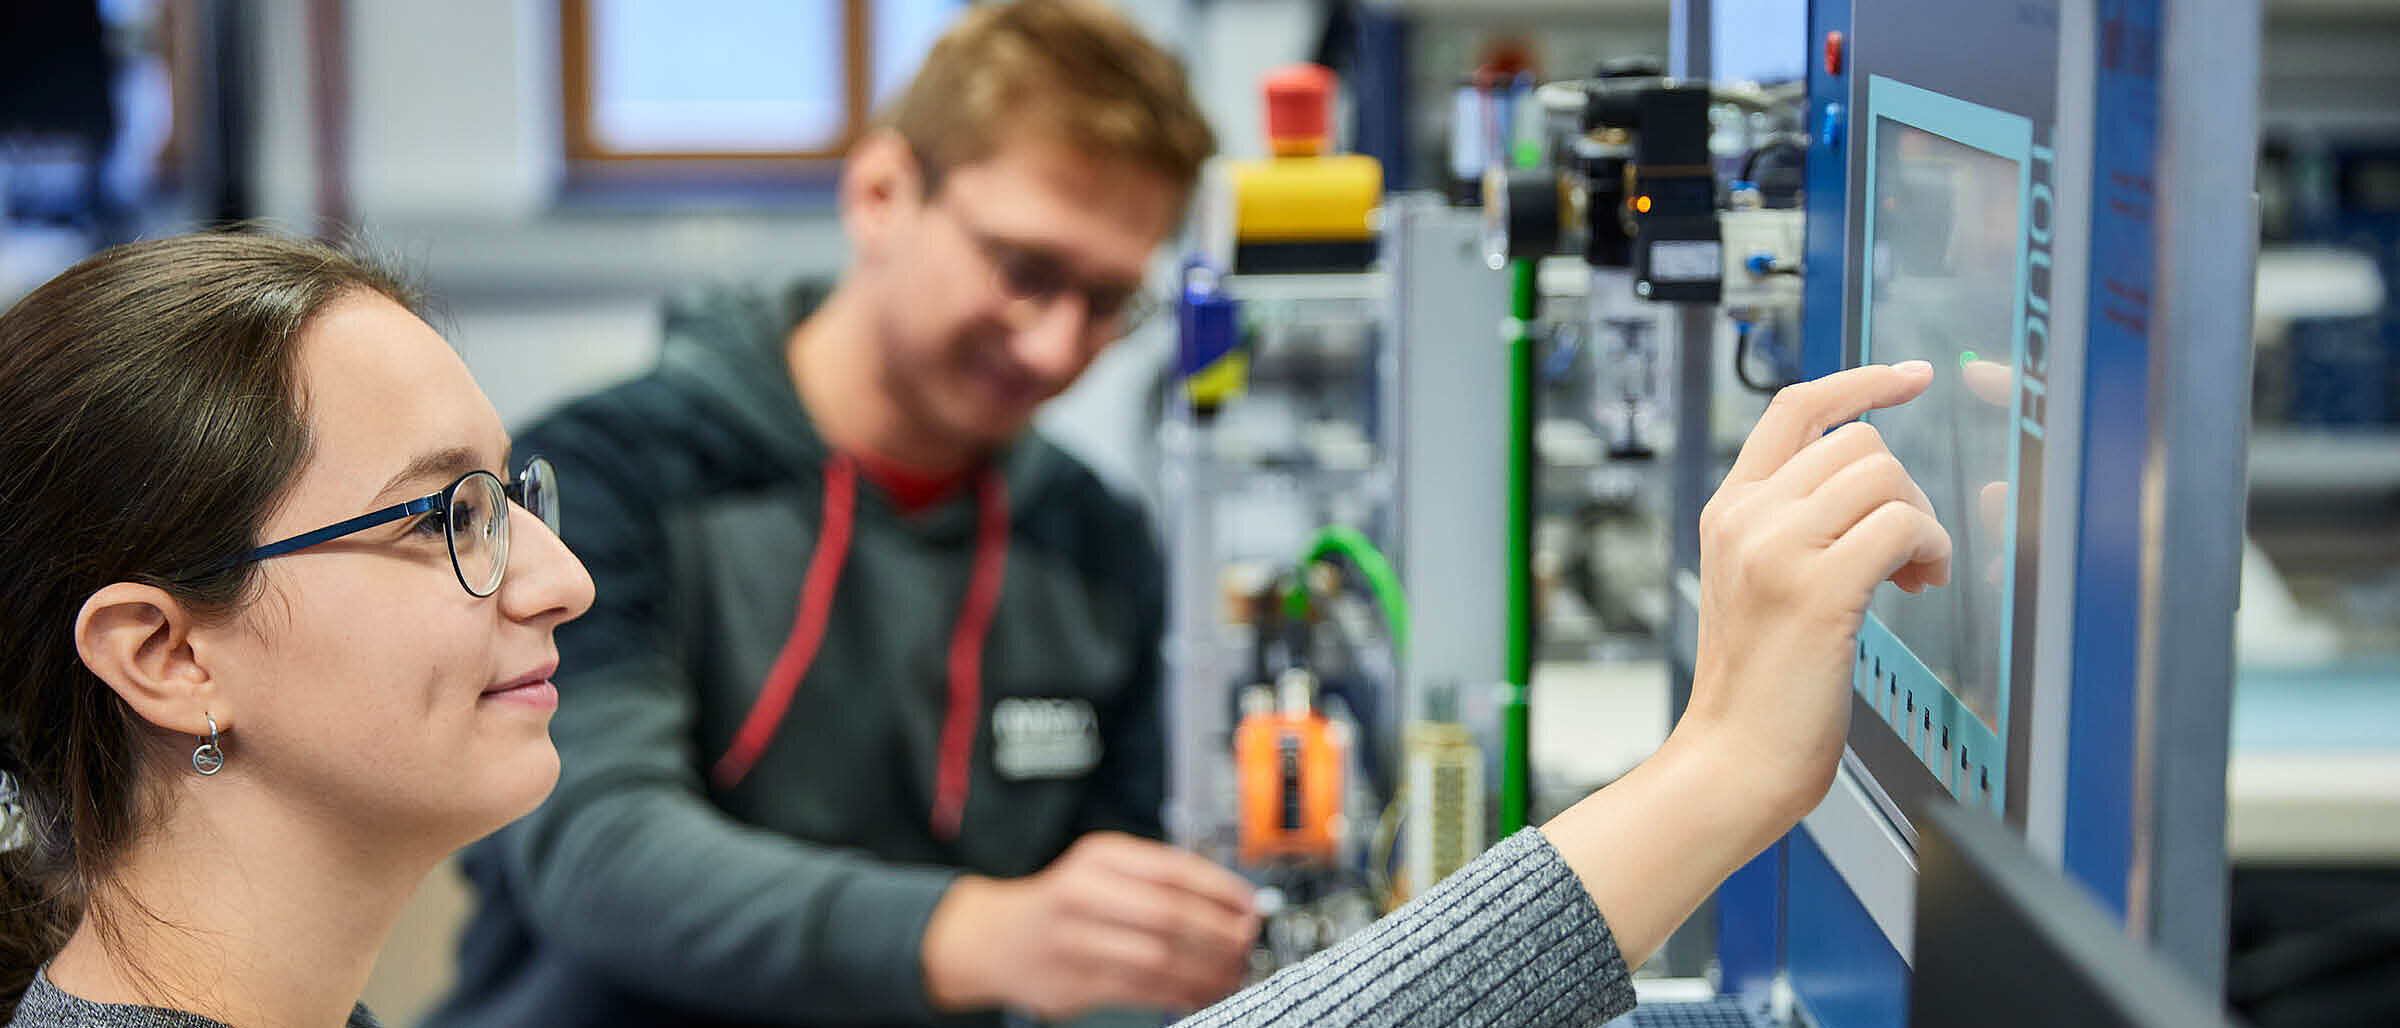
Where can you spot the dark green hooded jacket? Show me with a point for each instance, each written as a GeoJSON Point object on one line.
{"type": "Point", "coordinates": [795, 712]}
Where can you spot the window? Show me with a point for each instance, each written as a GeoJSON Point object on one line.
{"type": "Point", "coordinates": [734, 80]}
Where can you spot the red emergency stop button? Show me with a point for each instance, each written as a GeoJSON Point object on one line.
{"type": "Point", "coordinates": [1833, 53]}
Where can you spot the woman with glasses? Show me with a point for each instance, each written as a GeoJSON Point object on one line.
{"type": "Point", "coordinates": [276, 608]}
{"type": "Point", "coordinates": [276, 605]}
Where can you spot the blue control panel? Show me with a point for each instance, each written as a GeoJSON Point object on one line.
{"type": "Point", "coordinates": [1942, 240]}
{"type": "Point", "coordinates": [1929, 220]}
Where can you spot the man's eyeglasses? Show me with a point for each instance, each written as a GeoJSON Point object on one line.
{"type": "Point", "coordinates": [1032, 281]}
{"type": "Point", "coordinates": [471, 513]}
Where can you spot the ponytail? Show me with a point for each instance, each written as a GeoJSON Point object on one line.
{"type": "Point", "coordinates": [37, 908]}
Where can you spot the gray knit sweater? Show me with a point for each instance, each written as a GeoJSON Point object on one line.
{"type": "Point", "coordinates": [46, 1006]}
{"type": "Point", "coordinates": [1511, 939]}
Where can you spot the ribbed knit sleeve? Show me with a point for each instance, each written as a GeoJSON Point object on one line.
{"type": "Point", "coordinates": [47, 1006]}
{"type": "Point", "coordinates": [1511, 939]}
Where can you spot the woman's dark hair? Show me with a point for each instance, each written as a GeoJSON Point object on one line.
{"type": "Point", "coordinates": [150, 419]}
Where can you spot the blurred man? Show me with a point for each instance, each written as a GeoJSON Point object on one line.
{"type": "Point", "coordinates": [865, 727]}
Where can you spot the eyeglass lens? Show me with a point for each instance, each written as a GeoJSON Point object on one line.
{"type": "Point", "coordinates": [1042, 279]}
{"type": "Point", "coordinates": [538, 484]}
{"type": "Point", "coordinates": [478, 523]}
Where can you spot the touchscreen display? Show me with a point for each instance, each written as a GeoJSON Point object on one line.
{"type": "Point", "coordinates": [1943, 269]}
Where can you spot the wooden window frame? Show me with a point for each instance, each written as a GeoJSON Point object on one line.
{"type": "Point", "coordinates": [583, 143]}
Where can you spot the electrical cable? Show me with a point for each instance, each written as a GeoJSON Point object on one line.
{"type": "Point", "coordinates": [1789, 144]}
{"type": "Point", "coordinates": [1382, 581]}
{"type": "Point", "coordinates": [1742, 333]}
{"type": "Point", "coordinates": [1380, 850]}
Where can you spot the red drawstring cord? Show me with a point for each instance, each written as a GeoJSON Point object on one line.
{"type": "Point", "coordinates": [967, 643]}
{"type": "Point", "coordinates": [966, 656]}
{"type": "Point", "coordinates": [808, 628]}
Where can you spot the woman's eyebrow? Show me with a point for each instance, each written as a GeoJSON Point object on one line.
{"type": "Point", "coordinates": [442, 465]}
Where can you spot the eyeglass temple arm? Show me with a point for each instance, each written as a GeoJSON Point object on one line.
{"type": "Point", "coordinates": [335, 531]}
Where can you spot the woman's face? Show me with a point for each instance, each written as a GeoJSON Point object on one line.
{"type": "Point", "coordinates": [365, 683]}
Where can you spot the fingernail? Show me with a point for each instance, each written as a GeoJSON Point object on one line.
{"type": "Point", "coordinates": [1912, 367]}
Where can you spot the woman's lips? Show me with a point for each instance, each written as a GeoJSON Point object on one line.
{"type": "Point", "coordinates": [531, 689]}
{"type": "Point", "coordinates": [539, 693]}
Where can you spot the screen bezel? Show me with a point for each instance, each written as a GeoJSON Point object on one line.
{"type": "Point", "coordinates": [1932, 741]}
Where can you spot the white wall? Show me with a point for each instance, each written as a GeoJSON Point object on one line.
{"type": "Point", "coordinates": [1235, 44]}
{"type": "Point", "coordinates": [453, 109]}
{"type": "Point", "coordinates": [531, 356]}
{"type": "Point", "coordinates": [282, 151]}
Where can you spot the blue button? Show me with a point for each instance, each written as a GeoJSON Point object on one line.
{"type": "Point", "coordinates": [1830, 131]}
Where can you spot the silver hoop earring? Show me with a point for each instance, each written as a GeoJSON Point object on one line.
{"type": "Point", "coordinates": [208, 759]}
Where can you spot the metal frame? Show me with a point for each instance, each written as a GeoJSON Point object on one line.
{"type": "Point", "coordinates": [1693, 477]}
{"type": "Point", "coordinates": [1194, 656]}
{"type": "Point", "coordinates": [2174, 225]}
{"type": "Point", "coordinates": [2045, 757]}
{"type": "Point", "coordinates": [1869, 849]}
{"type": "Point", "coordinates": [1200, 792]}
{"type": "Point", "coordinates": [2195, 494]}
{"type": "Point", "coordinates": [2118, 434]}
{"type": "Point", "coordinates": [1445, 313]}
{"type": "Point", "coordinates": [1693, 474]}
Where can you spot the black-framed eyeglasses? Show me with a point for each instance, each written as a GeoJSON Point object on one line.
{"type": "Point", "coordinates": [471, 513]}
{"type": "Point", "coordinates": [1032, 280]}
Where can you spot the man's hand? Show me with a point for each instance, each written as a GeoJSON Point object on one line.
{"type": "Point", "coordinates": [1115, 921]}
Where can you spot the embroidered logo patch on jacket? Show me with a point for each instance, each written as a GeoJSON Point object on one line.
{"type": "Point", "coordinates": [1044, 738]}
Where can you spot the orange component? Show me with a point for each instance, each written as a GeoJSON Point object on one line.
{"type": "Point", "coordinates": [1300, 111]}
{"type": "Point", "coordinates": [1834, 46]}
{"type": "Point", "coordinates": [1288, 771]}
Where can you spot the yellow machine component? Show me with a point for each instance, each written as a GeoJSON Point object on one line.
{"type": "Point", "coordinates": [1445, 804]}
{"type": "Point", "coordinates": [1221, 380]}
{"type": "Point", "coordinates": [1324, 199]}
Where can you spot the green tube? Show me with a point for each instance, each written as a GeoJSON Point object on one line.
{"type": "Point", "coordinates": [1516, 743]}
{"type": "Point", "coordinates": [1381, 579]}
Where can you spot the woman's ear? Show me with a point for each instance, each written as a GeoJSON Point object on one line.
{"type": "Point", "coordinates": [138, 639]}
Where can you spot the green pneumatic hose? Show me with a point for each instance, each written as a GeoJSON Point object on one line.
{"type": "Point", "coordinates": [1515, 711]}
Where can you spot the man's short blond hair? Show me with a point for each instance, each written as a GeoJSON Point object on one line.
{"type": "Point", "coordinates": [1074, 69]}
